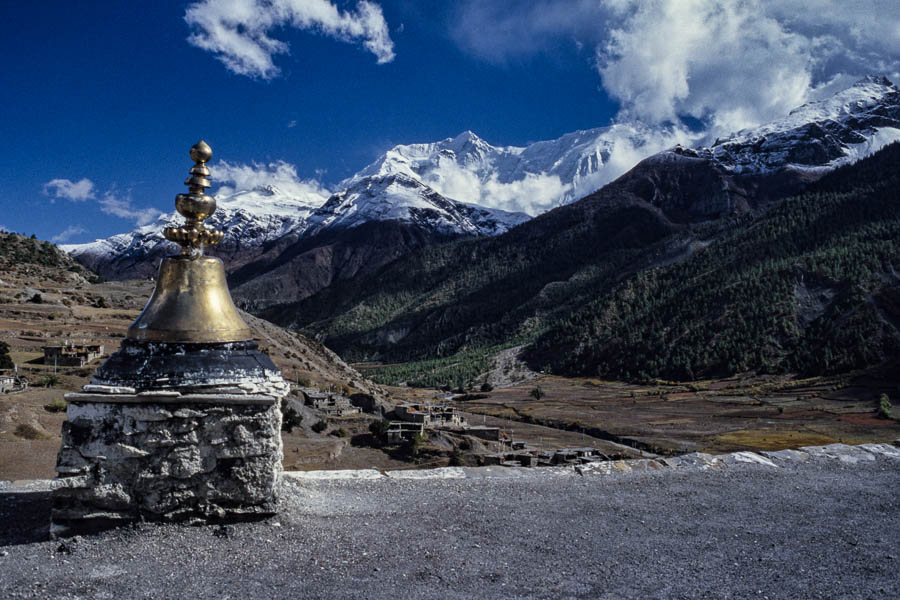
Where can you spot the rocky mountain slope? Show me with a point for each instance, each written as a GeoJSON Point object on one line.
{"type": "Point", "coordinates": [281, 249]}
{"type": "Point", "coordinates": [444, 188]}
{"type": "Point", "coordinates": [651, 276]}
{"type": "Point", "coordinates": [748, 169]}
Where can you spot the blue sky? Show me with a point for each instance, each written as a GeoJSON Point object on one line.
{"type": "Point", "coordinates": [100, 101]}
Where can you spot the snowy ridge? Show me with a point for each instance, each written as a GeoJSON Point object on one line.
{"type": "Point", "coordinates": [532, 179]}
{"type": "Point", "coordinates": [249, 218]}
{"type": "Point", "coordinates": [464, 185]}
{"type": "Point", "coordinates": [825, 134]}
{"type": "Point", "coordinates": [401, 197]}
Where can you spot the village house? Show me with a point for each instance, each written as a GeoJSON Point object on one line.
{"type": "Point", "coordinates": [7, 383]}
{"type": "Point", "coordinates": [430, 415]}
{"type": "Point", "coordinates": [11, 382]}
{"type": "Point", "coordinates": [401, 431]}
{"type": "Point", "coordinates": [72, 355]}
{"type": "Point", "coordinates": [333, 405]}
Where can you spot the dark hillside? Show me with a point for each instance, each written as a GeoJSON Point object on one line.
{"type": "Point", "coordinates": [677, 269]}
{"type": "Point", "coordinates": [19, 251]}
{"type": "Point", "coordinates": [306, 265]}
{"type": "Point", "coordinates": [813, 285]}
{"type": "Point", "coordinates": [487, 291]}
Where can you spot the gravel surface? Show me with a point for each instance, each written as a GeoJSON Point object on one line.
{"type": "Point", "coordinates": [823, 528]}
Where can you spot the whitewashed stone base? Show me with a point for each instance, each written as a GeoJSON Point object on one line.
{"type": "Point", "coordinates": [189, 458]}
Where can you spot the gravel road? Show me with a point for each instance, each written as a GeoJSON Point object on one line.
{"type": "Point", "coordinates": [822, 528]}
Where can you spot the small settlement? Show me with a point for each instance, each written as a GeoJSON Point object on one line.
{"type": "Point", "coordinates": [416, 418]}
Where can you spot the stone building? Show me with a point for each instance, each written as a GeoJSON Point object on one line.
{"type": "Point", "coordinates": [183, 422]}
{"type": "Point", "coordinates": [10, 382]}
{"type": "Point", "coordinates": [402, 431]}
{"type": "Point", "coordinates": [72, 355]}
{"type": "Point", "coordinates": [332, 404]}
{"type": "Point", "coordinates": [7, 383]}
{"type": "Point", "coordinates": [430, 415]}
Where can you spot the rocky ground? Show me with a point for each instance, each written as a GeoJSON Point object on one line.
{"type": "Point", "coordinates": [56, 302]}
{"type": "Point", "coordinates": [821, 523]}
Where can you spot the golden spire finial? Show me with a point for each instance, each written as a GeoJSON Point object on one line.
{"type": "Point", "coordinates": [195, 206]}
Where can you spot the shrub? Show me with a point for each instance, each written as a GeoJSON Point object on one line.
{"type": "Point", "coordinates": [290, 418]}
{"type": "Point", "coordinates": [29, 432]}
{"type": "Point", "coordinates": [5, 360]}
{"type": "Point", "coordinates": [379, 429]}
{"type": "Point", "coordinates": [49, 380]}
{"type": "Point", "coordinates": [414, 444]}
{"type": "Point", "coordinates": [320, 426]}
{"type": "Point", "coordinates": [339, 432]}
{"type": "Point", "coordinates": [57, 405]}
{"type": "Point", "coordinates": [884, 407]}
{"type": "Point", "coordinates": [537, 393]}
{"type": "Point", "coordinates": [486, 387]}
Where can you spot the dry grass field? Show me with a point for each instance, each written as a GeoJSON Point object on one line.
{"type": "Point", "coordinates": [768, 413]}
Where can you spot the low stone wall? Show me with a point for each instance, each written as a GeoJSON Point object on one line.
{"type": "Point", "coordinates": [189, 458]}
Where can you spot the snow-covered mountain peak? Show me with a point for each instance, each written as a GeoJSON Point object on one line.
{"type": "Point", "coordinates": [463, 184]}
{"type": "Point", "coordinates": [865, 95]}
{"type": "Point", "coordinates": [862, 95]}
{"type": "Point", "coordinates": [822, 134]}
{"type": "Point", "coordinates": [531, 178]}
{"type": "Point", "coordinates": [270, 200]}
{"type": "Point", "coordinates": [401, 197]}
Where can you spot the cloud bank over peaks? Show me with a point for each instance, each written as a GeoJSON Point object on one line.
{"type": "Point", "coordinates": [534, 194]}
{"type": "Point", "coordinates": [256, 176]}
{"type": "Point", "coordinates": [238, 33]}
{"type": "Point", "coordinates": [730, 64]}
{"type": "Point", "coordinates": [550, 173]}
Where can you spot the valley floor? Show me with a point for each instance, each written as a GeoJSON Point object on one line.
{"type": "Point", "coordinates": [741, 413]}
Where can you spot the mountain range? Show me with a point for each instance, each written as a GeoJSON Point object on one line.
{"type": "Point", "coordinates": [383, 267]}
{"type": "Point", "coordinates": [776, 262]}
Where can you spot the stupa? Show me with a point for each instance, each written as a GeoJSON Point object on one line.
{"type": "Point", "coordinates": [183, 422]}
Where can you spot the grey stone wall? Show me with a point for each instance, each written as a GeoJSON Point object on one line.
{"type": "Point", "coordinates": [179, 460]}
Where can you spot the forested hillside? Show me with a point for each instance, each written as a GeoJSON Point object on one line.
{"type": "Point", "coordinates": [483, 292]}
{"type": "Point", "coordinates": [611, 285]}
{"type": "Point", "coordinates": [811, 286]}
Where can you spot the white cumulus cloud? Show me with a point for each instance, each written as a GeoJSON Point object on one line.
{"type": "Point", "coordinates": [731, 64]}
{"type": "Point", "coordinates": [80, 190]}
{"type": "Point", "coordinates": [238, 31]}
{"type": "Point", "coordinates": [113, 203]}
{"type": "Point", "coordinates": [279, 173]}
{"type": "Point", "coordinates": [67, 234]}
